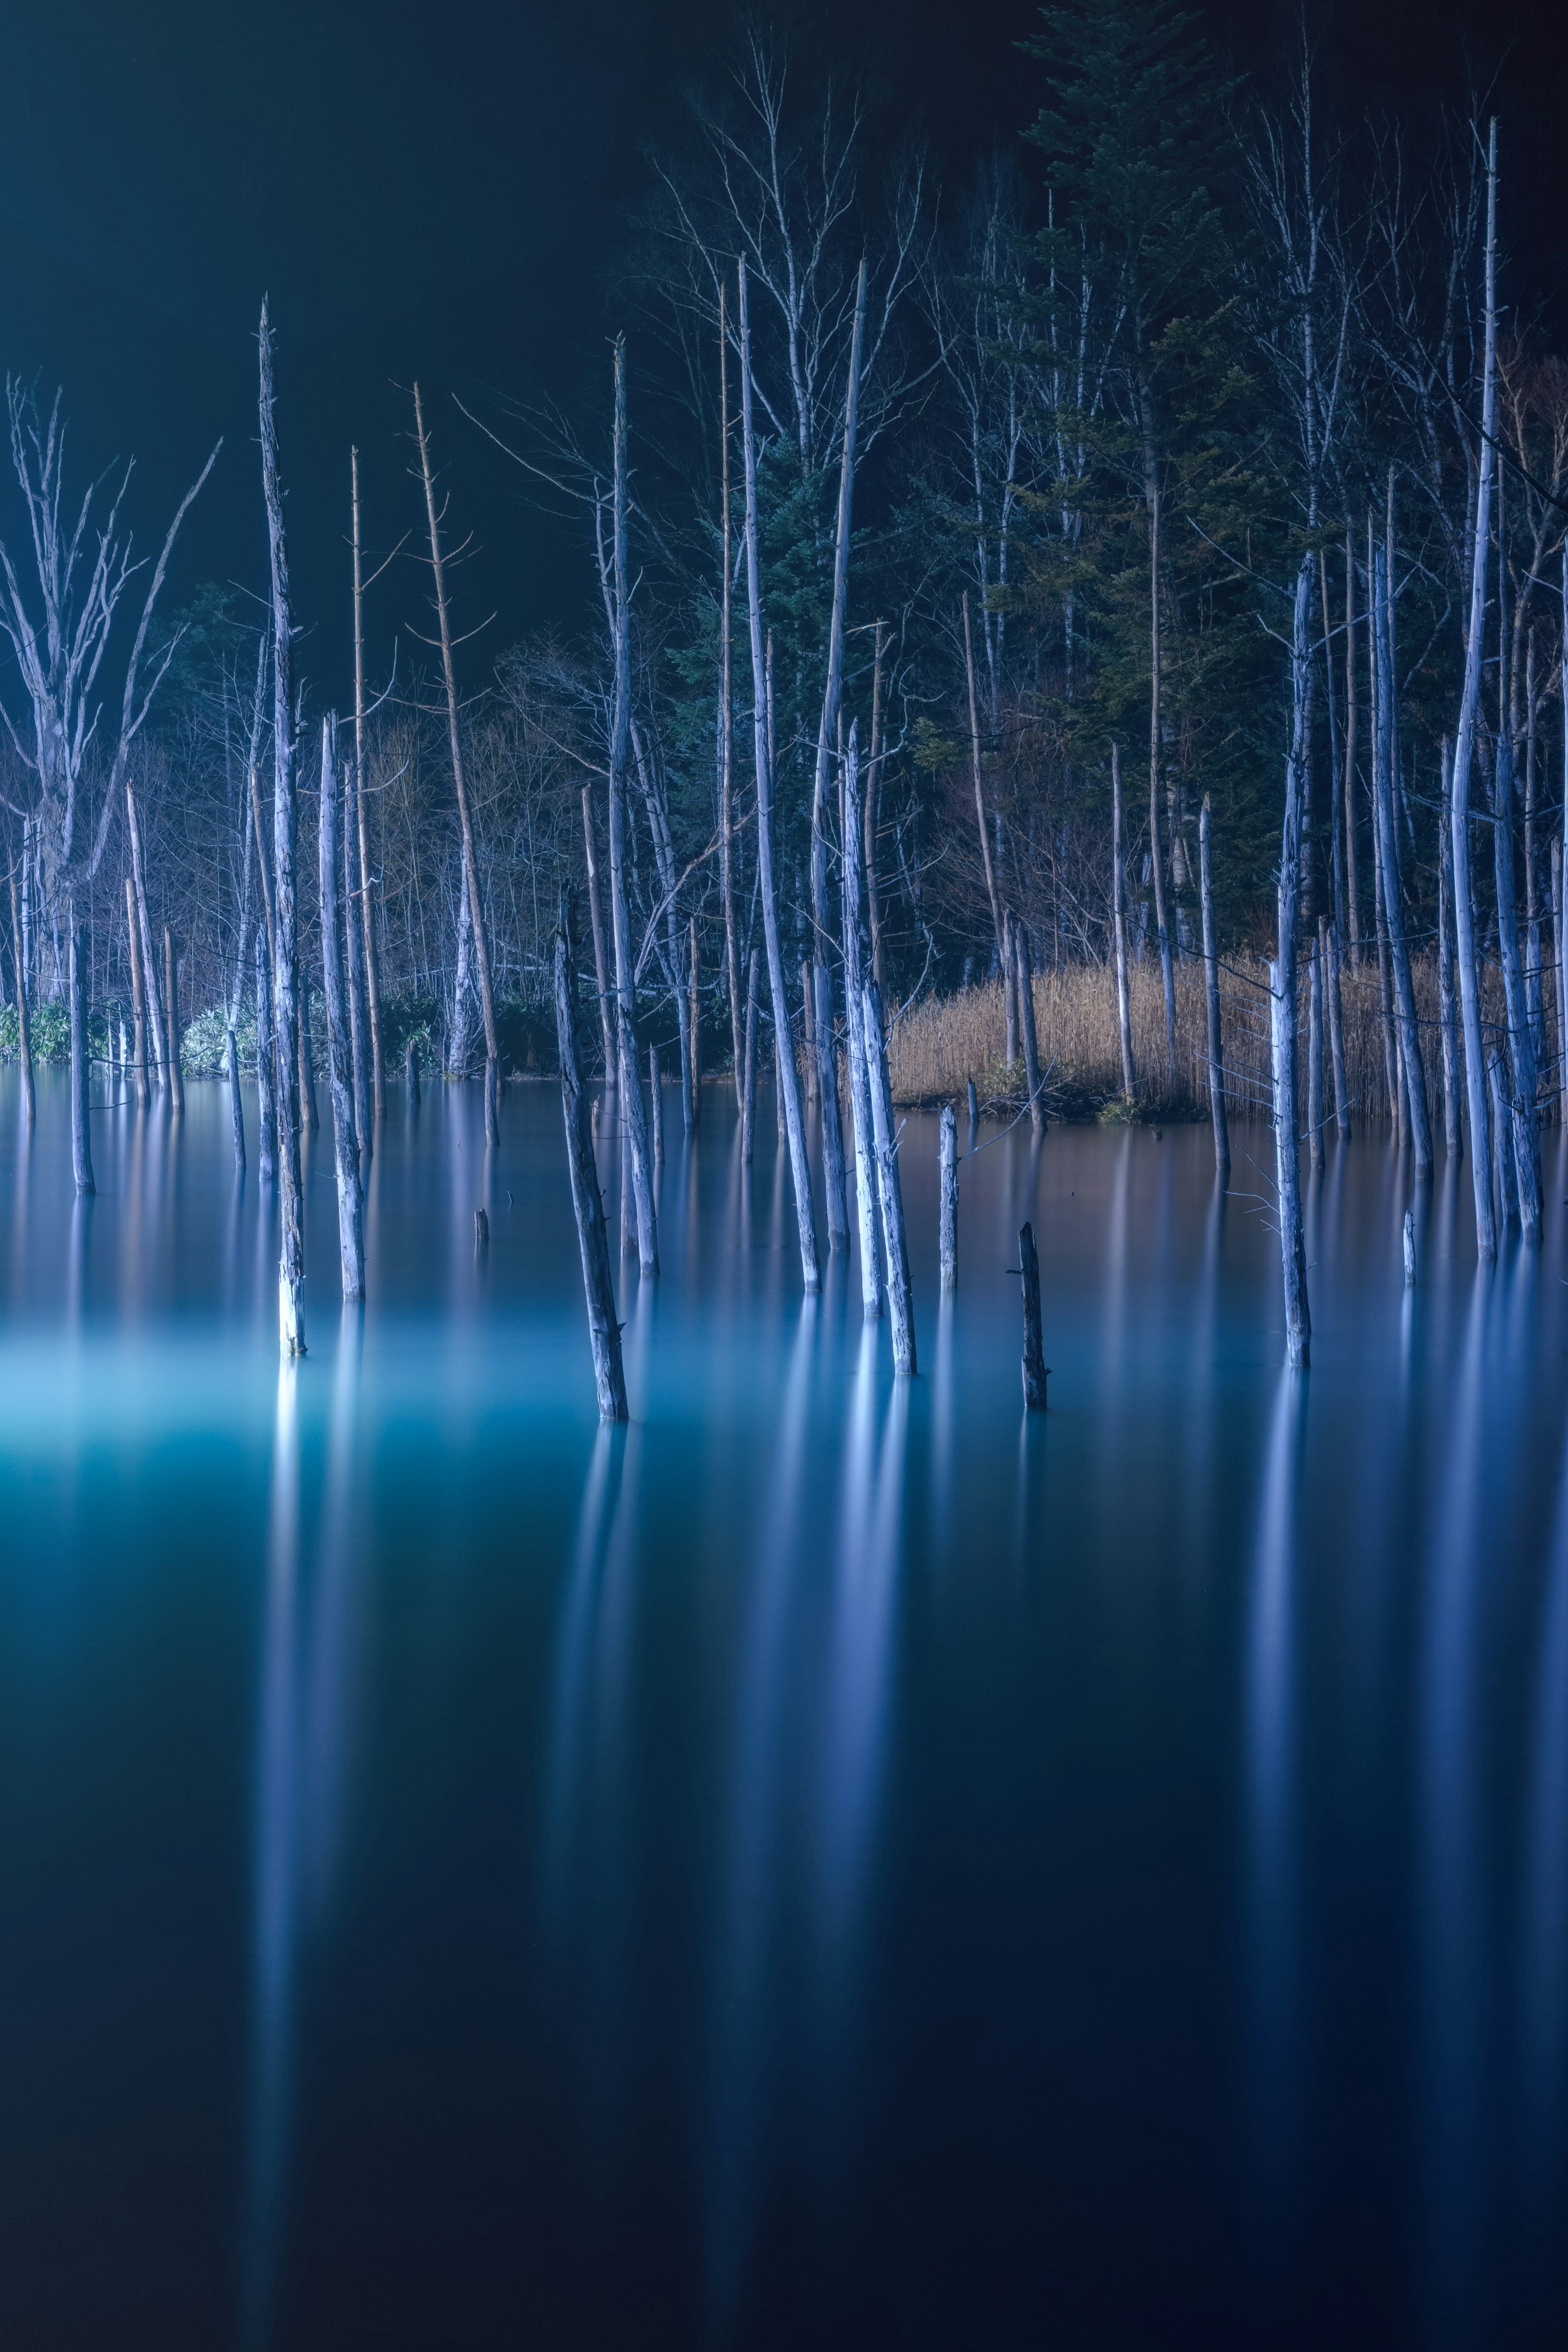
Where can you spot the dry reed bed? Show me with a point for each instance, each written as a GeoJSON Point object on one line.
{"type": "Point", "coordinates": [940, 1044]}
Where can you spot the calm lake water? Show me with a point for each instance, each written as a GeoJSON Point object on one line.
{"type": "Point", "coordinates": [829, 1864]}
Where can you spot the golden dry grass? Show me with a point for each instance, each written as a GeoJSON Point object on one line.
{"type": "Point", "coordinates": [938, 1044]}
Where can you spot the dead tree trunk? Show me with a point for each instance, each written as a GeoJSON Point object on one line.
{"type": "Point", "coordinates": [1035, 1370]}
{"type": "Point", "coordinates": [265, 1067]}
{"type": "Point", "coordinates": [799, 1167]}
{"type": "Point", "coordinates": [237, 1106]}
{"type": "Point", "coordinates": [81, 1130]}
{"type": "Point", "coordinates": [24, 1027]}
{"type": "Point", "coordinates": [1557, 992]}
{"type": "Point", "coordinates": [1448, 1019]}
{"type": "Point", "coordinates": [285, 1017]}
{"type": "Point", "coordinates": [1521, 1049]}
{"type": "Point", "coordinates": [833, 1173]}
{"type": "Point", "coordinates": [340, 1054]}
{"type": "Point", "coordinates": [1168, 977]}
{"type": "Point", "coordinates": [137, 993]}
{"type": "Point", "coordinates": [947, 1220]}
{"type": "Point", "coordinates": [587, 1200]}
{"type": "Point", "coordinates": [155, 1033]}
{"type": "Point", "coordinates": [1283, 995]}
{"type": "Point", "coordinates": [1503, 1168]}
{"type": "Point", "coordinates": [1464, 752]}
{"type": "Point", "coordinates": [1314, 1052]}
{"type": "Point", "coordinates": [726, 721]}
{"type": "Point", "coordinates": [353, 969]}
{"type": "Point", "coordinates": [656, 1098]}
{"type": "Point", "coordinates": [475, 902]}
{"type": "Point", "coordinates": [1211, 1000]}
{"type": "Point", "coordinates": [602, 972]}
{"type": "Point", "coordinates": [749, 1066]}
{"type": "Point", "coordinates": [873, 803]}
{"type": "Point", "coordinates": [900, 1299]}
{"type": "Point", "coordinates": [1388, 865]}
{"type": "Point", "coordinates": [692, 1104]}
{"type": "Point", "coordinates": [176, 1074]}
{"type": "Point", "coordinates": [860, 1089]}
{"type": "Point", "coordinates": [631, 1120]}
{"type": "Point", "coordinates": [1024, 982]}
{"type": "Point", "coordinates": [980, 792]}
{"type": "Point", "coordinates": [367, 921]}
{"type": "Point", "coordinates": [1119, 921]}
{"type": "Point", "coordinates": [1353, 908]}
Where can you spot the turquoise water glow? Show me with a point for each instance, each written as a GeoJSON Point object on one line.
{"type": "Point", "coordinates": [834, 1862]}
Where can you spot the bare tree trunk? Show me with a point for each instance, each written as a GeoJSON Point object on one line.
{"type": "Point", "coordinates": [372, 977]}
{"type": "Point", "coordinates": [156, 1034]}
{"type": "Point", "coordinates": [339, 1056]}
{"type": "Point", "coordinates": [475, 904]}
{"type": "Point", "coordinates": [1448, 1019]}
{"type": "Point", "coordinates": [1025, 984]}
{"type": "Point", "coordinates": [24, 1024]}
{"type": "Point", "coordinates": [265, 1067]}
{"type": "Point", "coordinates": [1557, 990]}
{"type": "Point", "coordinates": [1388, 862]}
{"type": "Point", "coordinates": [980, 792]}
{"type": "Point", "coordinates": [900, 1299]}
{"type": "Point", "coordinates": [799, 1167]}
{"type": "Point", "coordinates": [631, 1080]}
{"type": "Point", "coordinates": [176, 1075]}
{"type": "Point", "coordinates": [1336, 858]}
{"type": "Point", "coordinates": [1035, 1370]}
{"type": "Point", "coordinates": [693, 1103]}
{"type": "Point", "coordinates": [81, 1129]}
{"type": "Point", "coordinates": [138, 993]}
{"type": "Point", "coordinates": [809, 1028]}
{"type": "Point", "coordinates": [872, 806]}
{"type": "Point", "coordinates": [1168, 976]}
{"type": "Point", "coordinates": [833, 1173]}
{"type": "Point", "coordinates": [1010, 995]}
{"type": "Point", "coordinates": [308, 1112]}
{"type": "Point", "coordinates": [286, 1019]}
{"type": "Point", "coordinates": [1503, 1168]}
{"type": "Point", "coordinates": [947, 1224]}
{"type": "Point", "coordinates": [1532, 989]}
{"type": "Point", "coordinates": [748, 1065]}
{"type": "Point", "coordinates": [1283, 996]}
{"type": "Point", "coordinates": [1350, 716]}
{"type": "Point", "coordinates": [411, 1068]}
{"type": "Point", "coordinates": [1336, 1040]}
{"type": "Point", "coordinates": [353, 967]}
{"type": "Point", "coordinates": [236, 1105]}
{"type": "Point", "coordinates": [1521, 1050]}
{"type": "Point", "coordinates": [726, 725]}
{"type": "Point", "coordinates": [587, 1200]}
{"type": "Point", "coordinates": [656, 1098]}
{"type": "Point", "coordinates": [1211, 1002]}
{"type": "Point", "coordinates": [1315, 1052]}
{"type": "Point", "coordinates": [606, 1018]}
{"type": "Point", "coordinates": [860, 1089]}
{"type": "Point", "coordinates": [1119, 924]}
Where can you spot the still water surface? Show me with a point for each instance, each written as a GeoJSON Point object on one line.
{"type": "Point", "coordinates": [831, 1863]}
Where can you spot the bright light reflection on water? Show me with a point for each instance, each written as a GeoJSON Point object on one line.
{"type": "Point", "coordinates": [833, 1862]}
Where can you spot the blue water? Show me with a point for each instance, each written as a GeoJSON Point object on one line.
{"type": "Point", "coordinates": [835, 1862]}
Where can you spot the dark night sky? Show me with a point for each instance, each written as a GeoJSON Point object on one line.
{"type": "Point", "coordinates": [437, 191]}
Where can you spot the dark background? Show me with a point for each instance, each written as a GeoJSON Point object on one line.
{"type": "Point", "coordinates": [442, 193]}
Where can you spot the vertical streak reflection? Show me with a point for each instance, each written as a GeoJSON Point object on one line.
{"type": "Point", "coordinates": [1270, 1782]}
{"type": "Point", "coordinates": [1545, 1943]}
{"type": "Point", "coordinates": [277, 1812]}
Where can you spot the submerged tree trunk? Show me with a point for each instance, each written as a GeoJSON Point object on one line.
{"type": "Point", "coordinates": [1447, 1024]}
{"type": "Point", "coordinates": [155, 1033]}
{"type": "Point", "coordinates": [291, 1258]}
{"type": "Point", "coordinates": [1464, 752]}
{"type": "Point", "coordinates": [367, 921]}
{"type": "Point", "coordinates": [23, 1029]}
{"type": "Point", "coordinates": [236, 1105]}
{"type": "Point", "coordinates": [1282, 997]}
{"type": "Point", "coordinates": [587, 1200]}
{"type": "Point", "coordinates": [833, 1176]}
{"type": "Point", "coordinates": [82, 1131]}
{"type": "Point", "coordinates": [1388, 862]}
{"type": "Point", "coordinates": [138, 993]}
{"type": "Point", "coordinates": [1211, 1000]}
{"type": "Point", "coordinates": [265, 1067]}
{"type": "Point", "coordinates": [900, 1299]}
{"type": "Point", "coordinates": [475, 903]}
{"type": "Point", "coordinates": [340, 1054]}
{"type": "Point", "coordinates": [799, 1168]}
{"type": "Point", "coordinates": [948, 1214]}
{"type": "Point", "coordinates": [633, 1124]}
{"type": "Point", "coordinates": [176, 1074]}
{"type": "Point", "coordinates": [1119, 930]}
{"type": "Point", "coordinates": [860, 1089]}
{"type": "Point", "coordinates": [1034, 1365]}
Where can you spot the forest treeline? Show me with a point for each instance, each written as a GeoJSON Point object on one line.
{"type": "Point", "coordinates": [1037, 467]}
